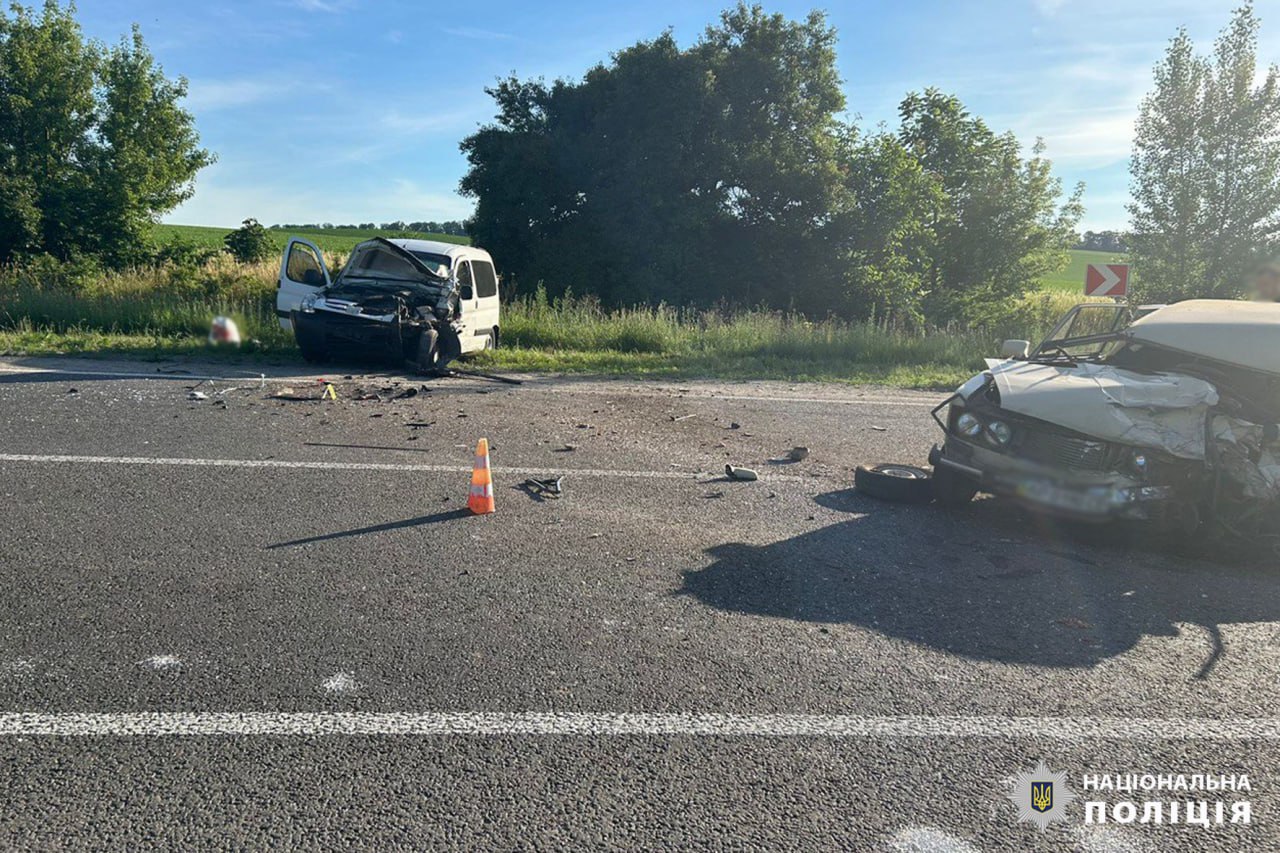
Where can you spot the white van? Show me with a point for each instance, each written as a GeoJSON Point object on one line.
{"type": "Point", "coordinates": [419, 300]}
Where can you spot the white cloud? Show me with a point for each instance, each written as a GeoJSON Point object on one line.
{"type": "Point", "coordinates": [477, 33]}
{"type": "Point", "coordinates": [225, 200]}
{"type": "Point", "coordinates": [209, 95]}
{"type": "Point", "coordinates": [1048, 7]}
{"type": "Point", "coordinates": [327, 6]}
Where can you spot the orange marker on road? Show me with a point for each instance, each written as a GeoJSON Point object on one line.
{"type": "Point", "coordinates": [480, 501]}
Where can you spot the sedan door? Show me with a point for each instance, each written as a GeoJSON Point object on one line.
{"type": "Point", "coordinates": [302, 273]}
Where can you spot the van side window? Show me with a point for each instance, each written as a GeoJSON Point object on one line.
{"type": "Point", "coordinates": [464, 273]}
{"type": "Point", "coordinates": [303, 266]}
{"type": "Point", "coordinates": [486, 281]}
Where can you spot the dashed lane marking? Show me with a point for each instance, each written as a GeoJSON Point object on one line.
{"type": "Point", "coordinates": [639, 724]}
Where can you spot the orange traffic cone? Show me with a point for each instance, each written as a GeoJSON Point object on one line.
{"type": "Point", "coordinates": [480, 501]}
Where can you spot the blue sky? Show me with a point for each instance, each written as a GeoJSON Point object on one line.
{"type": "Point", "coordinates": [351, 110]}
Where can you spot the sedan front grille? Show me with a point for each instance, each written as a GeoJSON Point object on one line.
{"type": "Point", "coordinates": [1067, 451]}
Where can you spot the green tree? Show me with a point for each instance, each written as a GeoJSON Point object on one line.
{"type": "Point", "coordinates": [94, 145]}
{"type": "Point", "coordinates": [250, 242]}
{"type": "Point", "coordinates": [1003, 223]}
{"type": "Point", "coordinates": [1205, 168]}
{"type": "Point", "coordinates": [688, 175]}
{"type": "Point", "coordinates": [725, 172]}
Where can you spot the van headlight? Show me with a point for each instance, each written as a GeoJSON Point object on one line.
{"type": "Point", "coordinates": [968, 425]}
{"type": "Point", "coordinates": [308, 305]}
{"type": "Point", "coordinates": [1001, 433]}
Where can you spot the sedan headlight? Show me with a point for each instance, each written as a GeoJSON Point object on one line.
{"type": "Point", "coordinates": [1001, 433]}
{"type": "Point", "coordinates": [968, 425]}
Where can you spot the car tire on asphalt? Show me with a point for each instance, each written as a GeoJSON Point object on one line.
{"type": "Point", "coordinates": [951, 488]}
{"type": "Point", "coordinates": [891, 482]}
{"type": "Point", "coordinates": [313, 355]}
{"type": "Point", "coordinates": [428, 359]}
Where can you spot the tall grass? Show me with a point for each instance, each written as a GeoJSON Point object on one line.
{"type": "Point", "coordinates": [170, 308]}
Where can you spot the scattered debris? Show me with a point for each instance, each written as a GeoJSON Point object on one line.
{"type": "Point", "coordinates": [197, 395]}
{"type": "Point", "coordinates": [405, 394]}
{"type": "Point", "coordinates": [292, 396]}
{"type": "Point", "coordinates": [476, 374]}
{"type": "Point", "coordinates": [735, 425]}
{"type": "Point", "coordinates": [566, 448]}
{"type": "Point", "coordinates": [552, 488]}
{"type": "Point", "coordinates": [73, 390]}
{"type": "Point", "coordinates": [676, 419]}
{"type": "Point", "coordinates": [798, 454]}
{"type": "Point", "coordinates": [340, 682]}
{"type": "Point", "coordinates": [159, 662]}
{"type": "Point", "coordinates": [879, 428]}
{"type": "Point", "coordinates": [420, 424]}
{"type": "Point", "coordinates": [745, 474]}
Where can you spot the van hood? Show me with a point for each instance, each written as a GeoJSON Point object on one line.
{"type": "Point", "coordinates": [1163, 410]}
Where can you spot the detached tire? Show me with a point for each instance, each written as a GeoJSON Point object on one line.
{"type": "Point", "coordinates": [897, 483]}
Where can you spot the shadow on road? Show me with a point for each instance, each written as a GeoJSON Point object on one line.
{"type": "Point", "coordinates": [989, 583]}
{"type": "Point", "coordinates": [435, 518]}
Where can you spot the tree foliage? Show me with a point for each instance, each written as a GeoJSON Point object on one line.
{"type": "Point", "coordinates": [725, 172]}
{"type": "Point", "coordinates": [94, 143]}
{"type": "Point", "coordinates": [1206, 167]}
{"type": "Point", "coordinates": [250, 242]}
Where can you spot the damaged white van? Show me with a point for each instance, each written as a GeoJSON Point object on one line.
{"type": "Point", "coordinates": [415, 301]}
{"type": "Point", "coordinates": [1171, 418]}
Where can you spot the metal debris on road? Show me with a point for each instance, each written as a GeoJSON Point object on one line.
{"type": "Point", "coordinates": [798, 454]}
{"type": "Point", "coordinates": [676, 419]}
{"type": "Point", "coordinates": [197, 395]}
{"type": "Point", "coordinates": [745, 474]}
{"type": "Point", "coordinates": [552, 488]}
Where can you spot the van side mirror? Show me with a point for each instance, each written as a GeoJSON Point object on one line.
{"type": "Point", "coordinates": [466, 294]}
{"type": "Point", "coordinates": [1015, 349]}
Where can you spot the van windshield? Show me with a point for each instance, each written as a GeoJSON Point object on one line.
{"type": "Point", "coordinates": [438, 264]}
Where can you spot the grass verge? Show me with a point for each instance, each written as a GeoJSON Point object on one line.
{"type": "Point", "coordinates": [165, 313]}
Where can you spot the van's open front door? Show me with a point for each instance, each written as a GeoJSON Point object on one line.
{"type": "Point", "coordinates": [302, 273]}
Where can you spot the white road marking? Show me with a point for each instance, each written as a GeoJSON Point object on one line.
{"type": "Point", "coordinates": [887, 399]}
{"type": "Point", "coordinates": [926, 839]}
{"type": "Point", "coordinates": [161, 662]}
{"type": "Point", "coordinates": [340, 682]}
{"type": "Point", "coordinates": [333, 465]}
{"type": "Point", "coordinates": [533, 723]}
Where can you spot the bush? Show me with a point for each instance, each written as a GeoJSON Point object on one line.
{"type": "Point", "coordinates": [249, 243]}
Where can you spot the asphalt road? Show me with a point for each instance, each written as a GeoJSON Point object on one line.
{"type": "Point", "coordinates": [242, 621]}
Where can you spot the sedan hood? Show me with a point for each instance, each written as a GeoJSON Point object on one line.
{"type": "Point", "coordinates": [1165, 411]}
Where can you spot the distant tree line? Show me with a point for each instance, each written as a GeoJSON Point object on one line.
{"type": "Point", "coordinates": [1104, 241]}
{"type": "Point", "coordinates": [451, 227]}
{"type": "Point", "coordinates": [726, 172]}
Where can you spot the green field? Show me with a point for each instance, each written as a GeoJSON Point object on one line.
{"type": "Point", "coordinates": [335, 240]}
{"type": "Point", "coordinates": [1071, 279]}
